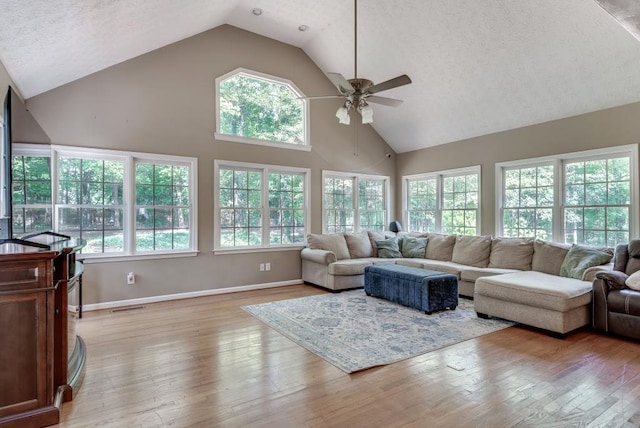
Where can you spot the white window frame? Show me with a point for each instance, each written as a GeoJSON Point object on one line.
{"type": "Point", "coordinates": [439, 177]}
{"type": "Point", "coordinates": [247, 140]}
{"type": "Point", "coordinates": [129, 230]}
{"type": "Point", "coordinates": [265, 169]}
{"type": "Point", "coordinates": [356, 211]}
{"type": "Point", "coordinates": [558, 161]}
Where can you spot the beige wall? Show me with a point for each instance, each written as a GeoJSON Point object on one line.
{"type": "Point", "coordinates": [605, 128]}
{"type": "Point", "coordinates": [163, 102]}
{"type": "Point", "coordinates": [5, 82]}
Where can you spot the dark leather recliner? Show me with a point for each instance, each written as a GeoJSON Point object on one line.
{"type": "Point", "coordinates": [616, 308]}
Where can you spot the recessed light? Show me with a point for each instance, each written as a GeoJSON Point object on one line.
{"type": "Point", "coordinates": [256, 11]}
{"type": "Point", "coordinates": [303, 27]}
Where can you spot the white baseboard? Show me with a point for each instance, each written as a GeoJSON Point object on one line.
{"type": "Point", "coordinates": [189, 295]}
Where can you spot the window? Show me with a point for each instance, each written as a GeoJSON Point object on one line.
{"type": "Point", "coordinates": [445, 201]}
{"type": "Point", "coordinates": [146, 215]}
{"type": "Point", "coordinates": [597, 201]}
{"type": "Point", "coordinates": [31, 193]}
{"type": "Point", "coordinates": [260, 206]}
{"type": "Point", "coordinates": [353, 203]}
{"type": "Point", "coordinates": [163, 206]}
{"type": "Point", "coordinates": [90, 203]}
{"type": "Point", "coordinates": [257, 108]}
{"type": "Point", "coordinates": [583, 198]}
{"type": "Point", "coordinates": [528, 201]}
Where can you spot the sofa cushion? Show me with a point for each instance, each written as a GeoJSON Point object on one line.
{"type": "Point", "coordinates": [634, 248]}
{"type": "Point", "coordinates": [536, 289]}
{"type": "Point", "coordinates": [579, 258]}
{"type": "Point", "coordinates": [359, 245]}
{"type": "Point", "coordinates": [440, 247]}
{"type": "Point", "coordinates": [472, 273]}
{"type": "Point", "coordinates": [548, 256]}
{"type": "Point", "coordinates": [511, 253]}
{"type": "Point", "coordinates": [333, 242]}
{"type": "Point", "coordinates": [472, 250]}
{"type": "Point", "coordinates": [388, 248]}
{"type": "Point", "coordinates": [348, 267]}
{"type": "Point", "coordinates": [412, 247]}
{"type": "Point", "coordinates": [633, 282]}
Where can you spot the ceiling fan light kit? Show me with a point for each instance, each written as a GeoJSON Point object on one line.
{"type": "Point", "coordinates": [357, 91]}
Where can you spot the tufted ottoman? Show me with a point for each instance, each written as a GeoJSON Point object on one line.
{"type": "Point", "coordinates": [422, 289]}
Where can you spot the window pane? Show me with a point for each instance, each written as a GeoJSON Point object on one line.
{"type": "Point", "coordinates": [162, 206]}
{"type": "Point", "coordinates": [262, 109]}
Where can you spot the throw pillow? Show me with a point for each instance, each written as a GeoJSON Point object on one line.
{"type": "Point", "coordinates": [511, 253]}
{"type": "Point", "coordinates": [548, 256]}
{"type": "Point", "coordinates": [334, 242]}
{"type": "Point", "coordinates": [615, 279]}
{"type": "Point", "coordinates": [472, 250]}
{"type": "Point", "coordinates": [579, 258]}
{"type": "Point", "coordinates": [376, 236]}
{"type": "Point", "coordinates": [633, 282]}
{"type": "Point", "coordinates": [440, 247]}
{"type": "Point", "coordinates": [359, 245]}
{"type": "Point", "coordinates": [412, 247]}
{"type": "Point", "coordinates": [388, 248]}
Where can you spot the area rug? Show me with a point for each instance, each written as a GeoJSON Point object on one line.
{"type": "Point", "coordinates": [354, 332]}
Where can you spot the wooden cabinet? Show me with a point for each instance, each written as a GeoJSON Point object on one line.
{"type": "Point", "coordinates": [41, 357]}
{"type": "Point", "coordinates": [26, 339]}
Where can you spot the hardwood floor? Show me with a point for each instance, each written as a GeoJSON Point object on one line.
{"type": "Point", "coordinates": [206, 362]}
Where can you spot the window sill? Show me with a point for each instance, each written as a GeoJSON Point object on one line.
{"type": "Point", "coordinates": [248, 250]}
{"type": "Point", "coordinates": [254, 141]}
{"type": "Point", "coordinates": [90, 258]}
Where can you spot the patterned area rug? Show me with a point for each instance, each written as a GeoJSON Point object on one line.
{"type": "Point", "coordinates": [355, 332]}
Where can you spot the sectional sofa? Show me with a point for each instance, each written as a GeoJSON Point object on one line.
{"type": "Point", "coordinates": [542, 284]}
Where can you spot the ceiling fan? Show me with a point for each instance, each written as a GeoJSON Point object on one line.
{"type": "Point", "coordinates": [358, 92]}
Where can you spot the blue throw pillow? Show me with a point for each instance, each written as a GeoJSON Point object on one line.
{"type": "Point", "coordinates": [388, 248]}
{"type": "Point", "coordinates": [413, 248]}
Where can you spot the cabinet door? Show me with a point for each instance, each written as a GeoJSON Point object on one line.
{"type": "Point", "coordinates": [24, 364]}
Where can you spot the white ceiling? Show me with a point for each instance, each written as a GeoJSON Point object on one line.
{"type": "Point", "coordinates": [478, 66]}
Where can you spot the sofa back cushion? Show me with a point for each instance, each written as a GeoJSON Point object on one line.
{"type": "Point", "coordinates": [548, 256]}
{"type": "Point", "coordinates": [373, 237]}
{"type": "Point", "coordinates": [472, 250]}
{"type": "Point", "coordinates": [333, 242]}
{"type": "Point", "coordinates": [440, 247]}
{"type": "Point", "coordinates": [581, 257]}
{"type": "Point", "coordinates": [359, 245]}
{"type": "Point", "coordinates": [511, 253]}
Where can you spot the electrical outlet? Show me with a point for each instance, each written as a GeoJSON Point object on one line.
{"type": "Point", "coordinates": [261, 267]}
{"type": "Point", "coordinates": [131, 278]}
{"type": "Point", "coordinates": [267, 266]}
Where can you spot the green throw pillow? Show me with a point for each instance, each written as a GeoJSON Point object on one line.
{"type": "Point", "coordinates": [388, 248]}
{"type": "Point", "coordinates": [412, 247]}
{"type": "Point", "coordinates": [580, 258]}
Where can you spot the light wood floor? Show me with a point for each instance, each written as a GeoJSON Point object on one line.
{"type": "Point", "coordinates": [205, 362]}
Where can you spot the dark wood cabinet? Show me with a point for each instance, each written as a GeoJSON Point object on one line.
{"type": "Point", "coordinates": [26, 339]}
{"type": "Point", "coordinates": [41, 357]}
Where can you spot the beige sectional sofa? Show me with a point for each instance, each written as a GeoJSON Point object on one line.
{"type": "Point", "coordinates": [512, 278]}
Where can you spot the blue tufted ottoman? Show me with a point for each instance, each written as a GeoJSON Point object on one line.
{"type": "Point", "coordinates": [422, 289]}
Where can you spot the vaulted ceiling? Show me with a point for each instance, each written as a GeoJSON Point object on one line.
{"type": "Point", "coordinates": [478, 66]}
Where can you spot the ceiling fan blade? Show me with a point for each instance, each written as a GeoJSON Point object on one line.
{"type": "Point", "coordinates": [341, 83]}
{"type": "Point", "coordinates": [384, 101]}
{"type": "Point", "coordinates": [390, 84]}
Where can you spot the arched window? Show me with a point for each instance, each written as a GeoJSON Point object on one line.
{"type": "Point", "coordinates": [256, 108]}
